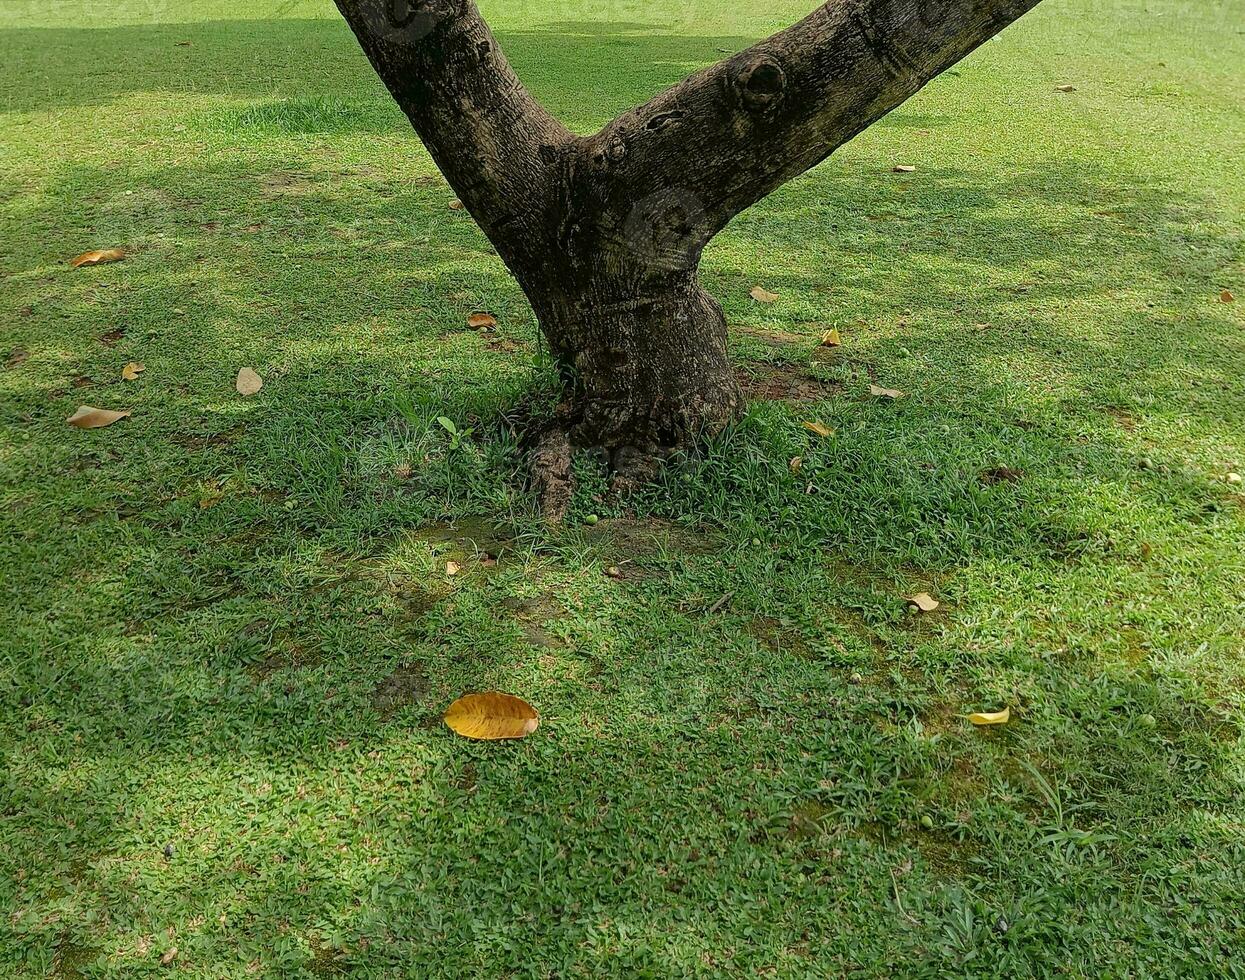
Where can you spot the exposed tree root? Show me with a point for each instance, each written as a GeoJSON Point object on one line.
{"type": "Point", "coordinates": [551, 472]}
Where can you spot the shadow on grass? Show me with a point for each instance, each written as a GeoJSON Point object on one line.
{"type": "Point", "coordinates": [178, 625]}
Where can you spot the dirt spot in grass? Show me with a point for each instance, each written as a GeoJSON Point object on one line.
{"type": "Point", "coordinates": [406, 685]}
{"type": "Point", "coordinates": [995, 475]}
{"type": "Point", "coordinates": [1123, 419]}
{"type": "Point", "coordinates": [16, 356]}
{"type": "Point", "coordinates": [473, 538]}
{"type": "Point", "coordinates": [198, 443]}
{"type": "Point", "coordinates": [467, 780]}
{"type": "Point", "coordinates": [532, 616]}
{"type": "Point", "coordinates": [112, 337]}
{"type": "Point", "coordinates": [783, 382]}
{"type": "Point", "coordinates": [283, 184]}
{"type": "Point", "coordinates": [70, 960]}
{"type": "Point", "coordinates": [414, 600]}
{"type": "Point", "coordinates": [774, 338]}
{"type": "Point", "coordinates": [808, 820]}
{"type": "Point", "coordinates": [780, 637]}
{"type": "Point", "coordinates": [286, 654]}
{"type": "Point", "coordinates": [626, 540]}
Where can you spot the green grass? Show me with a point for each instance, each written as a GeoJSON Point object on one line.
{"type": "Point", "coordinates": [227, 627]}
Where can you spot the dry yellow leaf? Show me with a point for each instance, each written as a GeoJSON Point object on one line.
{"type": "Point", "coordinates": [481, 321]}
{"type": "Point", "coordinates": [1227, 297]}
{"type": "Point", "coordinates": [248, 382]}
{"type": "Point", "coordinates": [89, 417]}
{"type": "Point", "coordinates": [796, 464]}
{"type": "Point", "coordinates": [818, 428]}
{"type": "Point", "coordinates": [492, 715]}
{"type": "Point", "coordinates": [452, 568]}
{"type": "Point", "coordinates": [831, 338]}
{"type": "Point", "coordinates": [456, 205]}
{"type": "Point", "coordinates": [132, 370]}
{"type": "Point", "coordinates": [763, 295]}
{"type": "Point", "coordinates": [613, 572]}
{"type": "Point", "coordinates": [879, 392]}
{"type": "Point", "coordinates": [991, 717]}
{"type": "Point", "coordinates": [924, 602]}
{"type": "Point", "coordinates": [1065, 88]}
{"type": "Point", "coordinates": [905, 170]}
{"type": "Point", "coordinates": [98, 256]}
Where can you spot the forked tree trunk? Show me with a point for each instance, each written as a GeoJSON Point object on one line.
{"type": "Point", "coordinates": [604, 233]}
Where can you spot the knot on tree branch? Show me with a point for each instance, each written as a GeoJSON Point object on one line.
{"type": "Point", "coordinates": [760, 83]}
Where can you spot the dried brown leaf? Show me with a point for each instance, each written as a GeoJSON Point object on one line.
{"type": "Point", "coordinates": [99, 256]}
{"type": "Point", "coordinates": [904, 169]}
{"type": "Point", "coordinates": [132, 370]}
{"type": "Point", "coordinates": [831, 338]}
{"type": "Point", "coordinates": [169, 956]}
{"type": "Point", "coordinates": [879, 392]}
{"type": "Point", "coordinates": [818, 428]}
{"type": "Point", "coordinates": [492, 715]}
{"type": "Point", "coordinates": [456, 205]}
{"type": "Point", "coordinates": [452, 568]}
{"type": "Point", "coordinates": [1065, 88]}
{"type": "Point", "coordinates": [924, 602]}
{"type": "Point", "coordinates": [481, 321]}
{"type": "Point", "coordinates": [1227, 297]}
{"type": "Point", "coordinates": [763, 295]}
{"type": "Point", "coordinates": [89, 417]}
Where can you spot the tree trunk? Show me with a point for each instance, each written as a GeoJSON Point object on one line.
{"type": "Point", "coordinates": [604, 233]}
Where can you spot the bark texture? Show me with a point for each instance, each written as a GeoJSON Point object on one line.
{"type": "Point", "coordinates": [604, 233]}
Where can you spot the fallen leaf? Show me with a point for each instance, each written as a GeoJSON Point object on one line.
{"type": "Point", "coordinates": [248, 382]}
{"type": "Point", "coordinates": [456, 205]}
{"type": "Point", "coordinates": [492, 715]}
{"type": "Point", "coordinates": [1227, 297]}
{"type": "Point", "coordinates": [831, 338]}
{"type": "Point", "coordinates": [991, 717]}
{"type": "Point", "coordinates": [1065, 88]}
{"type": "Point", "coordinates": [979, 327]}
{"type": "Point", "coordinates": [88, 417]}
{"type": "Point", "coordinates": [481, 321]}
{"type": "Point", "coordinates": [169, 956]}
{"type": "Point", "coordinates": [132, 370]}
{"type": "Point", "coordinates": [818, 428]}
{"type": "Point", "coordinates": [99, 256]}
{"type": "Point", "coordinates": [924, 602]}
{"type": "Point", "coordinates": [905, 170]}
{"type": "Point", "coordinates": [796, 464]}
{"type": "Point", "coordinates": [613, 572]}
{"type": "Point", "coordinates": [452, 568]}
{"type": "Point", "coordinates": [879, 392]}
{"type": "Point", "coordinates": [1235, 479]}
{"type": "Point", "coordinates": [16, 356]}
{"type": "Point", "coordinates": [763, 295]}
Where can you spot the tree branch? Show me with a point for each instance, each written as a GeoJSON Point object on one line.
{"type": "Point", "coordinates": [494, 143]}
{"type": "Point", "coordinates": [732, 133]}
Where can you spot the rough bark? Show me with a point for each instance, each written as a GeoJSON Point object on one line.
{"type": "Point", "coordinates": [604, 233]}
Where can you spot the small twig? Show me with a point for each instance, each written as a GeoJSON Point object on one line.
{"type": "Point", "coordinates": [899, 901]}
{"type": "Point", "coordinates": [720, 603]}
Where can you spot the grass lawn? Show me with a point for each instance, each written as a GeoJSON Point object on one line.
{"type": "Point", "coordinates": [228, 632]}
